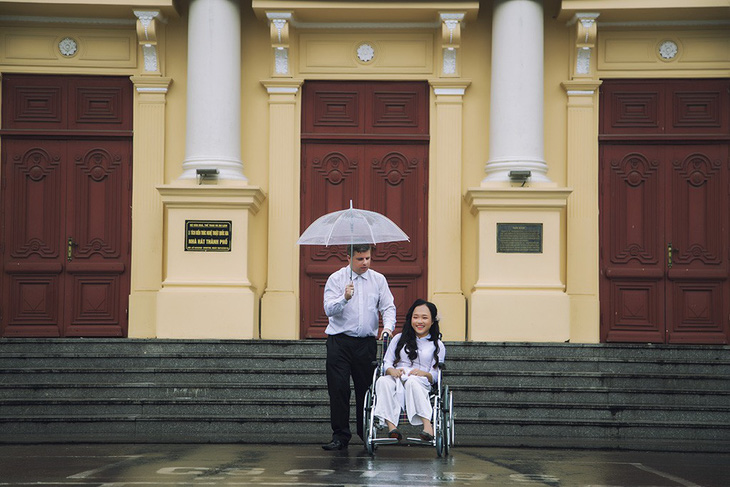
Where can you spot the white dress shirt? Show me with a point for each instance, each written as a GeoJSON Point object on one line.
{"type": "Point", "coordinates": [358, 317]}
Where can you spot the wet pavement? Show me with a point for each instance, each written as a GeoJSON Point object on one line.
{"type": "Point", "coordinates": [114, 465]}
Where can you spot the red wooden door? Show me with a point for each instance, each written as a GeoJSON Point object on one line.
{"type": "Point", "coordinates": [365, 142]}
{"type": "Point", "coordinates": [665, 201]}
{"type": "Point", "coordinates": [66, 216]}
{"type": "Point", "coordinates": [664, 214]}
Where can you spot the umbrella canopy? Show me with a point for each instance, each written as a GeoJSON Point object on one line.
{"type": "Point", "coordinates": [351, 226]}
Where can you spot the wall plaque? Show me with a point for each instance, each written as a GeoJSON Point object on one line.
{"type": "Point", "coordinates": [207, 236]}
{"type": "Point", "coordinates": [519, 238]}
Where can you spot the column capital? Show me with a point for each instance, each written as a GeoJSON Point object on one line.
{"type": "Point", "coordinates": [449, 87]}
{"type": "Point", "coordinates": [145, 84]}
{"type": "Point", "coordinates": [587, 87]}
{"type": "Point", "coordinates": [281, 86]}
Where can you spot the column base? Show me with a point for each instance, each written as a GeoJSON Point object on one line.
{"type": "Point", "coordinates": [206, 313]}
{"type": "Point", "coordinates": [452, 311]}
{"type": "Point", "coordinates": [498, 315]}
{"type": "Point", "coordinates": [498, 170]}
{"type": "Point", "coordinates": [208, 294]}
{"type": "Point", "coordinates": [279, 316]}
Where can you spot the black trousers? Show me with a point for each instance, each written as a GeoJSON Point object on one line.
{"type": "Point", "coordinates": [348, 357]}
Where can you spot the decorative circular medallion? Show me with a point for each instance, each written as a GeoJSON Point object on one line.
{"type": "Point", "coordinates": [365, 52]}
{"type": "Point", "coordinates": [68, 47]}
{"type": "Point", "coordinates": [668, 50]}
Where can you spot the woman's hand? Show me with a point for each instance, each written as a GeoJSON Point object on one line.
{"type": "Point", "coordinates": [421, 373]}
{"type": "Point", "coordinates": [397, 373]}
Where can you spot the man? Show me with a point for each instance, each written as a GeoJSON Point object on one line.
{"type": "Point", "coordinates": [353, 297]}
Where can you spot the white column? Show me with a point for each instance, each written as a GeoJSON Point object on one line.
{"type": "Point", "coordinates": [213, 135]}
{"type": "Point", "coordinates": [516, 136]}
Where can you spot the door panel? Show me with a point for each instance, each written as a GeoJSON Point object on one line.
{"type": "Point", "coordinates": [391, 183]}
{"type": "Point", "coordinates": [664, 213]}
{"type": "Point", "coordinates": [365, 142]}
{"type": "Point", "coordinates": [398, 191]}
{"type": "Point", "coordinates": [56, 190]}
{"type": "Point", "coordinates": [330, 175]}
{"type": "Point", "coordinates": [664, 252]}
{"type": "Point", "coordinates": [99, 182]}
{"type": "Point", "coordinates": [66, 200]}
{"type": "Point", "coordinates": [697, 279]}
{"type": "Point", "coordinates": [33, 219]}
{"type": "Point", "coordinates": [632, 243]}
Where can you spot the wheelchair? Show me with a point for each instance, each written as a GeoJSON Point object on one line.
{"type": "Point", "coordinates": [442, 415]}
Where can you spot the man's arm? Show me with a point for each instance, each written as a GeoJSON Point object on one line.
{"type": "Point", "coordinates": [334, 297]}
{"type": "Point", "coordinates": [386, 306]}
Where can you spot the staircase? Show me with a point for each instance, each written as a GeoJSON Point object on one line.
{"type": "Point", "coordinates": [505, 394]}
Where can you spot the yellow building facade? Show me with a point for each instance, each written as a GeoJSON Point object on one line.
{"type": "Point", "coordinates": [514, 86]}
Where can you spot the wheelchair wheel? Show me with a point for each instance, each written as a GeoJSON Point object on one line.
{"type": "Point", "coordinates": [438, 428]}
{"type": "Point", "coordinates": [368, 419]}
{"type": "Point", "coordinates": [452, 415]}
{"type": "Point", "coordinates": [448, 420]}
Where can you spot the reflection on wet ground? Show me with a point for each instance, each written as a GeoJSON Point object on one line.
{"type": "Point", "coordinates": [112, 465]}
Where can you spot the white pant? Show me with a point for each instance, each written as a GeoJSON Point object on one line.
{"type": "Point", "coordinates": [393, 395]}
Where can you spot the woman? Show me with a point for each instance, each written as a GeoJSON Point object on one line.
{"type": "Point", "coordinates": [410, 369]}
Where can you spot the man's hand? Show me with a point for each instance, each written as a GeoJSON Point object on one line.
{"type": "Point", "coordinates": [349, 291]}
{"type": "Point", "coordinates": [386, 332]}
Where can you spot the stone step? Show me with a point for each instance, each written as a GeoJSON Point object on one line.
{"type": "Point", "coordinates": [615, 396]}
{"type": "Point", "coordinates": [316, 361]}
{"type": "Point", "coordinates": [607, 395]}
{"type": "Point", "coordinates": [180, 377]}
{"type": "Point", "coordinates": [469, 350]}
{"type": "Point", "coordinates": [498, 432]}
{"type": "Point", "coordinates": [143, 390]}
{"type": "Point", "coordinates": [280, 409]}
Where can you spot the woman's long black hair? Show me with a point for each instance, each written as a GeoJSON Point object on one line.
{"type": "Point", "coordinates": [408, 338]}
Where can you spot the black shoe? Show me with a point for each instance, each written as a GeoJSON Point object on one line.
{"type": "Point", "coordinates": [394, 433]}
{"type": "Point", "coordinates": [334, 445]}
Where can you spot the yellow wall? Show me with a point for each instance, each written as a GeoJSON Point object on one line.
{"type": "Point", "coordinates": [477, 55]}
{"type": "Point", "coordinates": [255, 61]}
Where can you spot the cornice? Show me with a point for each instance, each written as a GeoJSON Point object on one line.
{"type": "Point", "coordinates": [33, 19]}
{"type": "Point", "coordinates": [371, 15]}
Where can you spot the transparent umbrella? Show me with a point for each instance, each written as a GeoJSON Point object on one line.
{"type": "Point", "coordinates": [351, 226]}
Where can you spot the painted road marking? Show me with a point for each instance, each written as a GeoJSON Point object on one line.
{"type": "Point", "coordinates": [673, 478]}
{"type": "Point", "coordinates": [89, 473]}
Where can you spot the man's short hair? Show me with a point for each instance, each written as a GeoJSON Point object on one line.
{"type": "Point", "coordinates": [358, 248]}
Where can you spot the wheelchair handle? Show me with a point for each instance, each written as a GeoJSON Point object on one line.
{"type": "Point", "coordinates": [386, 341]}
